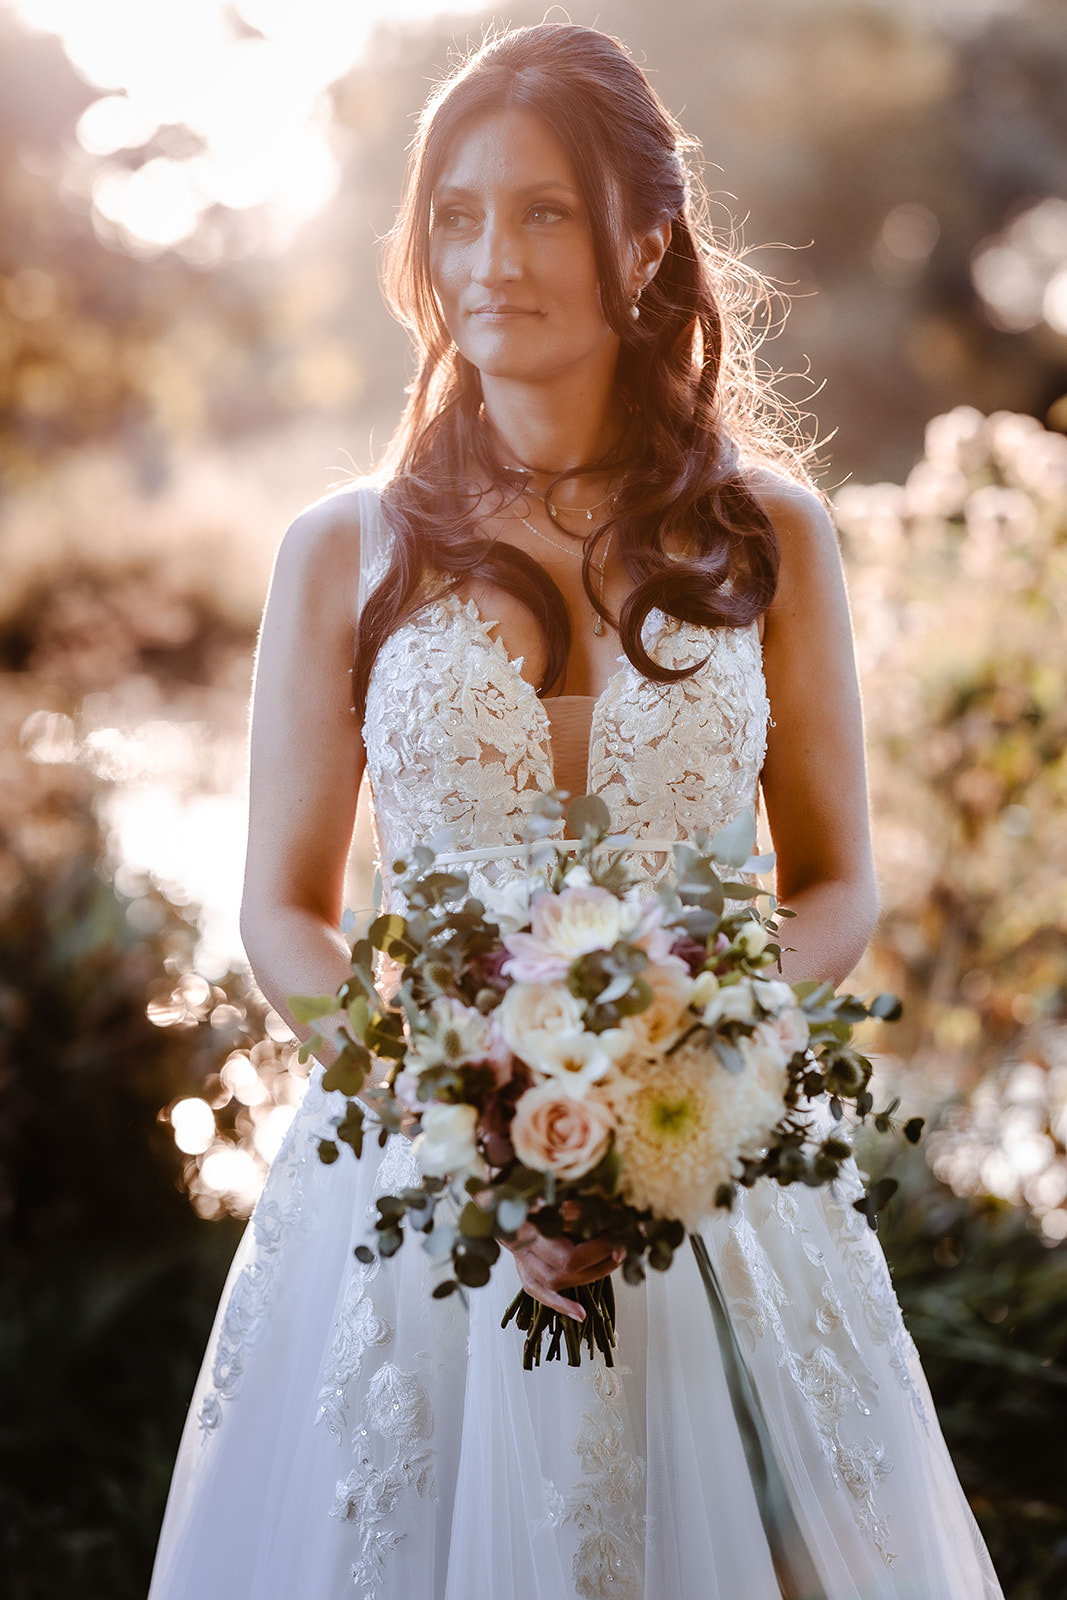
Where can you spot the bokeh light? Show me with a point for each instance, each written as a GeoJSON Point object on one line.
{"type": "Point", "coordinates": [1021, 272]}
{"type": "Point", "coordinates": [245, 83]}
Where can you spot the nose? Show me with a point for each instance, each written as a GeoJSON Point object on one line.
{"type": "Point", "coordinates": [498, 258]}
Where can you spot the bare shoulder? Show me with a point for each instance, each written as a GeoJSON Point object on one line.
{"type": "Point", "coordinates": [810, 556]}
{"type": "Point", "coordinates": [320, 548]}
{"type": "Point", "coordinates": [797, 511]}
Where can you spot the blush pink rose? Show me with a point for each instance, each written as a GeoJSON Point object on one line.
{"type": "Point", "coordinates": [554, 1132]}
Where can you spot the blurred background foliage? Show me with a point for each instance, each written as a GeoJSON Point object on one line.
{"type": "Point", "coordinates": [192, 347]}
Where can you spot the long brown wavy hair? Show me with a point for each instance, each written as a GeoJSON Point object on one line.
{"type": "Point", "coordinates": [696, 401]}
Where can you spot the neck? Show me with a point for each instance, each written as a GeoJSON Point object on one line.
{"type": "Point", "coordinates": [549, 429]}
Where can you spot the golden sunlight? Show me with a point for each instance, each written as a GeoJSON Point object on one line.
{"type": "Point", "coordinates": [248, 81]}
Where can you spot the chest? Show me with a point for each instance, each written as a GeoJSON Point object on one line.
{"type": "Point", "coordinates": [448, 706]}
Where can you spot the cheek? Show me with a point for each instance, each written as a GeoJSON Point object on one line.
{"type": "Point", "coordinates": [445, 273]}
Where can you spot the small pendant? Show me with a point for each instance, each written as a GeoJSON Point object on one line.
{"type": "Point", "coordinates": [598, 625]}
{"type": "Point", "coordinates": [589, 516]}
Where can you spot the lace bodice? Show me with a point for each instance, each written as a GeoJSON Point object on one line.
{"type": "Point", "coordinates": [457, 739]}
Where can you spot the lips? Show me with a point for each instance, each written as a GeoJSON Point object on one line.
{"type": "Point", "coordinates": [504, 310]}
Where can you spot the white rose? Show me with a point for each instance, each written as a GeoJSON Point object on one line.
{"type": "Point", "coordinates": [445, 1145]}
{"type": "Point", "coordinates": [753, 939]}
{"type": "Point", "coordinates": [672, 990]}
{"type": "Point", "coordinates": [764, 1056]}
{"type": "Point", "coordinates": [536, 1008]}
{"type": "Point", "coordinates": [553, 1132]}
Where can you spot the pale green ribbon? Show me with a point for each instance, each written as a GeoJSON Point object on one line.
{"type": "Point", "coordinates": [793, 1566]}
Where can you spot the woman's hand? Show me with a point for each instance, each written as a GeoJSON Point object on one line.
{"type": "Point", "coordinates": [546, 1266]}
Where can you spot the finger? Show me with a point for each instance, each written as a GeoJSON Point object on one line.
{"type": "Point", "coordinates": [591, 1274]}
{"type": "Point", "coordinates": [550, 1297]}
{"type": "Point", "coordinates": [541, 1290]}
{"type": "Point", "coordinates": [591, 1252]}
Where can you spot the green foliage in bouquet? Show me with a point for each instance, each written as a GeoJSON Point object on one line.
{"type": "Point", "coordinates": [431, 1062]}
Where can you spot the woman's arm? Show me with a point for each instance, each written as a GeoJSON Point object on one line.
{"type": "Point", "coordinates": [814, 777]}
{"type": "Point", "coordinates": [306, 761]}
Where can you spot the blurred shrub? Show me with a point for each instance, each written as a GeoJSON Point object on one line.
{"type": "Point", "coordinates": [959, 590]}
{"type": "Point", "coordinates": [985, 1298]}
{"type": "Point", "coordinates": [108, 1281]}
{"type": "Point", "coordinates": [958, 582]}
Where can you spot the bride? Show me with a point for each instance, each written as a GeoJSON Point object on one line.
{"type": "Point", "coordinates": [589, 561]}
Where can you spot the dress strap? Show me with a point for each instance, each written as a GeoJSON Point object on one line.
{"type": "Point", "coordinates": [375, 539]}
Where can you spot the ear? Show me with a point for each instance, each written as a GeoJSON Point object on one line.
{"type": "Point", "coordinates": [650, 250]}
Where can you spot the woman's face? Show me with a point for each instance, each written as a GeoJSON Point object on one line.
{"type": "Point", "coordinates": [511, 253]}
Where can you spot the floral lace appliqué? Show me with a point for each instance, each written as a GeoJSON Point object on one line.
{"type": "Point", "coordinates": [358, 1329]}
{"type": "Point", "coordinates": [603, 1505]}
{"type": "Point", "coordinates": [278, 1218]}
{"type": "Point", "coordinates": [837, 1387]}
{"type": "Point", "coordinates": [869, 1275]}
{"type": "Point", "coordinates": [458, 740]}
{"type": "Point", "coordinates": [395, 1409]}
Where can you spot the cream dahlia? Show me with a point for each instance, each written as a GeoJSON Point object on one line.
{"type": "Point", "coordinates": [684, 1122]}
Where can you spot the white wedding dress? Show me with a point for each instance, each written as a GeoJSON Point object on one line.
{"type": "Point", "coordinates": [350, 1438]}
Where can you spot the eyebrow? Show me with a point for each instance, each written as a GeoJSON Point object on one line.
{"type": "Point", "coordinates": [456, 191]}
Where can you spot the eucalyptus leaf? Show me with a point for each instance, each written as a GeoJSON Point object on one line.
{"type": "Point", "coordinates": [733, 844]}
{"type": "Point", "coordinates": [588, 814]}
{"type": "Point", "coordinates": [471, 1270]}
{"type": "Point", "coordinates": [310, 1007]}
{"type": "Point", "coordinates": [729, 1055]}
{"type": "Point", "coordinates": [511, 1214]}
{"type": "Point", "coordinates": [440, 1241]}
{"type": "Point", "coordinates": [390, 935]}
{"type": "Point", "coordinates": [475, 1222]}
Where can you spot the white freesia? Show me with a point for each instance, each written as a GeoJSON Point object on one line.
{"type": "Point", "coordinates": [731, 1002]}
{"type": "Point", "coordinates": [573, 1057]}
{"type": "Point", "coordinates": [508, 904]}
{"type": "Point", "coordinates": [446, 1143]}
{"type": "Point", "coordinates": [448, 1034]}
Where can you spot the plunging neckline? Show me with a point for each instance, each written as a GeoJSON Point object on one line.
{"type": "Point", "coordinates": [541, 719]}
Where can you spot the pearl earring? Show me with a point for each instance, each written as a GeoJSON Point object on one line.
{"type": "Point", "coordinates": [635, 309]}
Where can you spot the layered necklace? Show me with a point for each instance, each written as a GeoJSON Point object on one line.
{"type": "Point", "coordinates": [587, 512]}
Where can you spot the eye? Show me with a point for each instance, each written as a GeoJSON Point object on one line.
{"type": "Point", "coordinates": [450, 218]}
{"type": "Point", "coordinates": [543, 212]}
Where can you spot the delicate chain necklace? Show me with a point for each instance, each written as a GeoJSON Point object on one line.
{"type": "Point", "coordinates": [598, 625]}
{"type": "Point", "coordinates": [585, 511]}
{"type": "Point", "coordinates": [553, 510]}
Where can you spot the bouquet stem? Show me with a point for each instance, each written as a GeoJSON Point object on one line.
{"type": "Point", "coordinates": [536, 1320]}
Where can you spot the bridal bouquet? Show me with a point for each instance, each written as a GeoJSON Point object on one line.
{"type": "Point", "coordinates": [589, 1058]}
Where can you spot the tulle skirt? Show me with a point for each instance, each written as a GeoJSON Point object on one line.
{"type": "Point", "coordinates": [351, 1438]}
